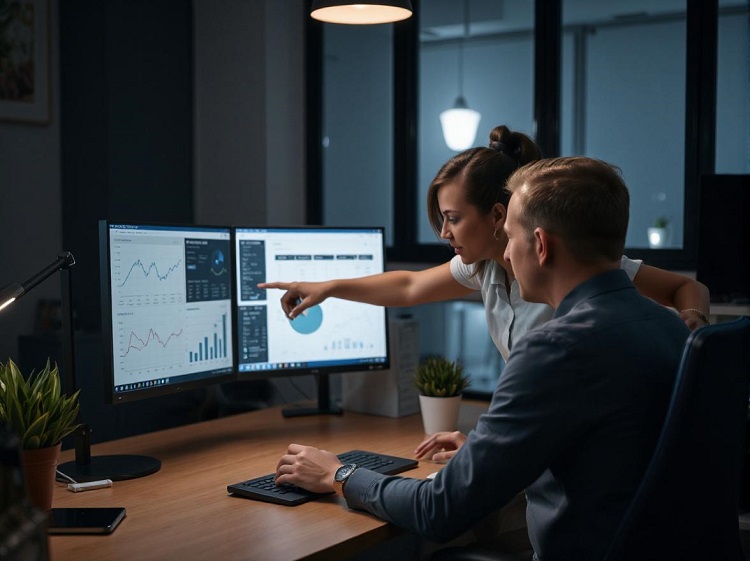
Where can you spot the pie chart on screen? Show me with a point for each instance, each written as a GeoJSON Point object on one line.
{"type": "Point", "coordinates": [308, 321]}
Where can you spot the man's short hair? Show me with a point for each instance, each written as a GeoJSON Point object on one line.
{"type": "Point", "coordinates": [582, 200]}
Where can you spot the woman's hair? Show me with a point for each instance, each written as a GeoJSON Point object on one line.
{"type": "Point", "coordinates": [484, 172]}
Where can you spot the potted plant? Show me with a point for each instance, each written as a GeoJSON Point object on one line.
{"type": "Point", "coordinates": [441, 383]}
{"type": "Point", "coordinates": [658, 234]}
{"type": "Point", "coordinates": [36, 410]}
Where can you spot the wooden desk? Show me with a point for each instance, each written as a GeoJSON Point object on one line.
{"type": "Point", "coordinates": [183, 511]}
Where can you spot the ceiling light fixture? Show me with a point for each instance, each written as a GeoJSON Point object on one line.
{"type": "Point", "coordinates": [460, 123]}
{"type": "Point", "coordinates": [361, 13]}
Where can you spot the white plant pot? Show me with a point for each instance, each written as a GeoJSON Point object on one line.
{"type": "Point", "coordinates": [658, 237]}
{"type": "Point", "coordinates": [439, 414]}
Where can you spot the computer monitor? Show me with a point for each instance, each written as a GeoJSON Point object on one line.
{"type": "Point", "coordinates": [166, 308]}
{"type": "Point", "coordinates": [166, 299]}
{"type": "Point", "coordinates": [723, 258]}
{"type": "Point", "coordinates": [334, 336]}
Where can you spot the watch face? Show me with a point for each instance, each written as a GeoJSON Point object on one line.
{"type": "Point", "coordinates": [344, 471]}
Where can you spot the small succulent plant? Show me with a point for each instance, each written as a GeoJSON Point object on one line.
{"type": "Point", "coordinates": [440, 377]}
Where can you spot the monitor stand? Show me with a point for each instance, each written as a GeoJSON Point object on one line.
{"type": "Point", "coordinates": [116, 467]}
{"type": "Point", "coordinates": [324, 402]}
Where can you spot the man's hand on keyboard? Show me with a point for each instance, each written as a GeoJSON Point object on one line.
{"type": "Point", "coordinates": [307, 467]}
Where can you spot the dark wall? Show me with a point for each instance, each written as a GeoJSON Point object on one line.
{"type": "Point", "coordinates": [126, 121]}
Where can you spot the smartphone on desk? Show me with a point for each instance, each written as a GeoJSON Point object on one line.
{"type": "Point", "coordinates": [84, 520]}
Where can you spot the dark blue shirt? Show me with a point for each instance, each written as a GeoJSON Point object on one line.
{"type": "Point", "coordinates": [573, 420]}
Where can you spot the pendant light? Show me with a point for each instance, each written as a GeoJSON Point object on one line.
{"type": "Point", "coordinates": [361, 13]}
{"type": "Point", "coordinates": [460, 123]}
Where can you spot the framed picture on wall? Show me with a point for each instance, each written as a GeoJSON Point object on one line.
{"type": "Point", "coordinates": [25, 61]}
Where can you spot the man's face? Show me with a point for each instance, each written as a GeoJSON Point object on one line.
{"type": "Point", "coordinates": [521, 252]}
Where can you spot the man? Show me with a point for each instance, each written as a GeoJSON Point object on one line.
{"type": "Point", "coordinates": [577, 412]}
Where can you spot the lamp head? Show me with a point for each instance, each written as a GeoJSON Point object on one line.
{"type": "Point", "coordinates": [460, 125]}
{"type": "Point", "coordinates": [360, 13]}
{"type": "Point", "coordinates": [10, 293]}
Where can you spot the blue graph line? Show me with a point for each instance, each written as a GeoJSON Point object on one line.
{"type": "Point", "coordinates": [147, 272]}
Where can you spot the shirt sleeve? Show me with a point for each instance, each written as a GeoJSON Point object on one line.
{"type": "Point", "coordinates": [510, 448]}
{"type": "Point", "coordinates": [630, 266]}
{"type": "Point", "coordinates": [464, 274]}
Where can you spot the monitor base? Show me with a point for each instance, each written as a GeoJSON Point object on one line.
{"type": "Point", "coordinates": [117, 468]}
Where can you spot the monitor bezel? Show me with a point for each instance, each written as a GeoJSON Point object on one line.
{"type": "Point", "coordinates": [111, 397]}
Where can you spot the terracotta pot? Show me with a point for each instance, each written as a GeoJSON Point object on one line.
{"type": "Point", "coordinates": [439, 414]}
{"type": "Point", "coordinates": [39, 474]}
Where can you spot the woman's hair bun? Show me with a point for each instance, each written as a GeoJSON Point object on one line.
{"type": "Point", "coordinates": [515, 145]}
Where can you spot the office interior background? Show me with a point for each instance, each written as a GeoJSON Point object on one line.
{"type": "Point", "coordinates": [200, 111]}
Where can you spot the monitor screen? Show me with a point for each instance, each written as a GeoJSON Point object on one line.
{"type": "Point", "coordinates": [723, 259]}
{"type": "Point", "coordinates": [334, 336]}
{"type": "Point", "coordinates": [167, 308]}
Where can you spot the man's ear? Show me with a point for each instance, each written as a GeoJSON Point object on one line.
{"type": "Point", "coordinates": [544, 246]}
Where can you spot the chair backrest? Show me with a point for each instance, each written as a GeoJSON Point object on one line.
{"type": "Point", "coordinates": [686, 506]}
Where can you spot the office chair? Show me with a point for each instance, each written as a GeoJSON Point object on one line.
{"type": "Point", "coordinates": [686, 507]}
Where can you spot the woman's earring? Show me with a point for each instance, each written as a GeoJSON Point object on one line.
{"type": "Point", "coordinates": [494, 235]}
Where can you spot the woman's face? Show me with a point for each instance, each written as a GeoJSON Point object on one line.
{"type": "Point", "coordinates": [469, 232]}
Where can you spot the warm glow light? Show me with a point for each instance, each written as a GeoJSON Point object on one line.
{"type": "Point", "coordinates": [361, 14]}
{"type": "Point", "coordinates": [10, 293]}
{"type": "Point", "coordinates": [460, 126]}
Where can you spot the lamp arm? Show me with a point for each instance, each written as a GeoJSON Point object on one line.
{"type": "Point", "coordinates": [65, 260]}
{"type": "Point", "coordinates": [15, 290]}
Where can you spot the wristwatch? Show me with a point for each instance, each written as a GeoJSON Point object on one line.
{"type": "Point", "coordinates": [342, 474]}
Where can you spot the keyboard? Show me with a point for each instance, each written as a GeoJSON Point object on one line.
{"type": "Point", "coordinates": [265, 489]}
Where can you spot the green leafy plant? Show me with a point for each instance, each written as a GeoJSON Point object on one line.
{"type": "Point", "coordinates": [35, 408]}
{"type": "Point", "coordinates": [440, 377]}
{"type": "Point", "coordinates": [661, 222]}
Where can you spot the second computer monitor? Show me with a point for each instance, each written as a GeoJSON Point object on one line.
{"type": "Point", "coordinates": [334, 336]}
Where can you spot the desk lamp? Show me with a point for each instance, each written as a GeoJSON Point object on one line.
{"type": "Point", "coordinates": [85, 468]}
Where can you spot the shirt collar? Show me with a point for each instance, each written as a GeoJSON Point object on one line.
{"type": "Point", "coordinates": [497, 273]}
{"type": "Point", "coordinates": [608, 281]}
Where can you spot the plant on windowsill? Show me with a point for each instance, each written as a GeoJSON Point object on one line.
{"type": "Point", "coordinates": [35, 408]}
{"type": "Point", "coordinates": [441, 383]}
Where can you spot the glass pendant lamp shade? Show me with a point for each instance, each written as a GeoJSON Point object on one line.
{"type": "Point", "coordinates": [360, 13]}
{"type": "Point", "coordinates": [460, 125]}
